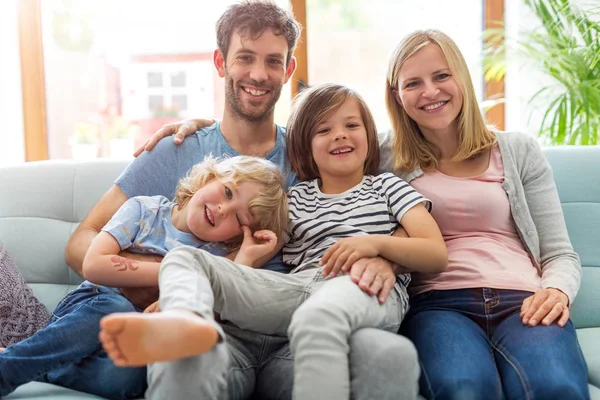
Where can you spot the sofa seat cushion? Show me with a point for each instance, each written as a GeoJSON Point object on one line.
{"type": "Point", "coordinates": [588, 338]}
{"type": "Point", "coordinates": [21, 313]}
{"type": "Point", "coordinates": [45, 391]}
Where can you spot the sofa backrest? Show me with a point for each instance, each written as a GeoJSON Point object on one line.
{"type": "Point", "coordinates": [577, 176]}
{"type": "Point", "coordinates": [41, 203]}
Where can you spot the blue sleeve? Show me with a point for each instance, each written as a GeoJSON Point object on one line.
{"type": "Point", "coordinates": [154, 172]}
{"type": "Point", "coordinates": [125, 224]}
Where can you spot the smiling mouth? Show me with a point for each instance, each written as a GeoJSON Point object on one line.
{"type": "Point", "coordinates": [435, 106]}
{"type": "Point", "coordinates": [209, 216]}
{"type": "Point", "coordinates": [255, 92]}
{"type": "Point", "coordinates": [345, 150]}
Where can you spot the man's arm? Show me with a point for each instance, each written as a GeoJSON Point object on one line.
{"type": "Point", "coordinates": [99, 216]}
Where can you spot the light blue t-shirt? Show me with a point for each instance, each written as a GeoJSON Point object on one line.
{"type": "Point", "coordinates": [158, 172]}
{"type": "Point", "coordinates": [144, 225]}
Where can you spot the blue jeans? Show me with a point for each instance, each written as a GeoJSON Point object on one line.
{"type": "Point", "coordinates": [472, 345]}
{"type": "Point", "coordinates": [67, 351]}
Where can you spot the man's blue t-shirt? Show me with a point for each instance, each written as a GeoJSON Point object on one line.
{"type": "Point", "coordinates": [158, 172]}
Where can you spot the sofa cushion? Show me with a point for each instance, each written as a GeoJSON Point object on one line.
{"type": "Point", "coordinates": [21, 313]}
{"type": "Point", "coordinates": [45, 391]}
{"type": "Point", "coordinates": [590, 344]}
{"type": "Point", "coordinates": [575, 169]}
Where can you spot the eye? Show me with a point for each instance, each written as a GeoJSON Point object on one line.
{"type": "Point", "coordinates": [245, 58]}
{"type": "Point", "coordinates": [441, 77]}
{"type": "Point", "coordinates": [322, 131]}
{"type": "Point", "coordinates": [228, 193]}
{"type": "Point", "coordinates": [411, 84]}
{"type": "Point", "coordinates": [275, 62]}
{"type": "Point", "coordinates": [353, 125]}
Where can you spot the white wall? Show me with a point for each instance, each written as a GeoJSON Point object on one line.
{"type": "Point", "coordinates": [12, 147]}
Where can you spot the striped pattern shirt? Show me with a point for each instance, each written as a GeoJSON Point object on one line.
{"type": "Point", "coordinates": [318, 220]}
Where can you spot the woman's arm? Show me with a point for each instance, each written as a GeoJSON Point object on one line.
{"type": "Point", "coordinates": [104, 266]}
{"type": "Point", "coordinates": [561, 267]}
{"type": "Point", "coordinates": [424, 250]}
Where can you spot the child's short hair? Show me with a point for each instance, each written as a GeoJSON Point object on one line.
{"type": "Point", "coordinates": [311, 107]}
{"type": "Point", "coordinates": [269, 207]}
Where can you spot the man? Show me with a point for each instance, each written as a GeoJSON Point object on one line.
{"type": "Point", "coordinates": [256, 41]}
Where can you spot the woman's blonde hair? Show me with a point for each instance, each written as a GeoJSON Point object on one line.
{"type": "Point", "coordinates": [410, 147]}
{"type": "Point", "coordinates": [269, 207]}
{"type": "Point", "coordinates": [311, 107]}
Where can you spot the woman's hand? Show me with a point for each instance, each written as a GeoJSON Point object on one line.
{"type": "Point", "coordinates": [545, 306]}
{"type": "Point", "coordinates": [375, 276]}
{"type": "Point", "coordinates": [343, 254]}
{"type": "Point", "coordinates": [180, 129]}
{"type": "Point", "coordinates": [255, 246]}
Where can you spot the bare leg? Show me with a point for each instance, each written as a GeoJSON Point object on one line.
{"type": "Point", "coordinates": [133, 339]}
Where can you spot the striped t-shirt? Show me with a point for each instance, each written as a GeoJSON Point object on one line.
{"type": "Point", "coordinates": [318, 220]}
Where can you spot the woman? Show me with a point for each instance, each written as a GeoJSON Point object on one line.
{"type": "Point", "coordinates": [495, 324]}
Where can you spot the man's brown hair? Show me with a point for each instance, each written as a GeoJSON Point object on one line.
{"type": "Point", "coordinates": [250, 18]}
{"type": "Point", "coordinates": [311, 107]}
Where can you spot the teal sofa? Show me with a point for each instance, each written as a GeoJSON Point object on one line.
{"type": "Point", "coordinates": [41, 203]}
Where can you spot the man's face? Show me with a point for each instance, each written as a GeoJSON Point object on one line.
{"type": "Point", "coordinates": [254, 71]}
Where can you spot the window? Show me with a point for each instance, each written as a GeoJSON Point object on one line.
{"type": "Point", "coordinates": [115, 75]}
{"type": "Point", "coordinates": [362, 34]}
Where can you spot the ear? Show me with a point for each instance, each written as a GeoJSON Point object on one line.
{"type": "Point", "coordinates": [290, 69]}
{"type": "Point", "coordinates": [219, 61]}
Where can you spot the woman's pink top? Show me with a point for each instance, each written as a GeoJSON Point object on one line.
{"type": "Point", "coordinates": [484, 249]}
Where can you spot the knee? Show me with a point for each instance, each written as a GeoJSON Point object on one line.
{"type": "Point", "coordinates": [314, 318]}
{"type": "Point", "coordinates": [561, 388]}
{"type": "Point", "coordinates": [387, 350]}
{"type": "Point", "coordinates": [463, 388]}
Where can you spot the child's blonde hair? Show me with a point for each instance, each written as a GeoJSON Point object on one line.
{"type": "Point", "coordinates": [269, 207]}
{"type": "Point", "coordinates": [410, 147]}
{"type": "Point", "coordinates": [311, 107]}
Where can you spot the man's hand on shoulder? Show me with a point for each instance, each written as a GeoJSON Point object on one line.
{"type": "Point", "coordinates": [180, 129]}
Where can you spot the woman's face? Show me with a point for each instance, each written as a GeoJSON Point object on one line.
{"type": "Point", "coordinates": [428, 92]}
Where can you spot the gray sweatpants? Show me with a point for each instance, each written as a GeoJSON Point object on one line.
{"type": "Point", "coordinates": [318, 315]}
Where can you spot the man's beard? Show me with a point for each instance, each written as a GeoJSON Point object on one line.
{"type": "Point", "coordinates": [253, 114]}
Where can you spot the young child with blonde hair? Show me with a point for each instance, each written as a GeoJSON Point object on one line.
{"type": "Point", "coordinates": [218, 202]}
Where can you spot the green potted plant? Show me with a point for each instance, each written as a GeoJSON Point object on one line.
{"type": "Point", "coordinates": [565, 49]}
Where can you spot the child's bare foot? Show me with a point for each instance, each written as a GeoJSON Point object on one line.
{"type": "Point", "coordinates": [2, 348]}
{"type": "Point", "coordinates": [134, 339]}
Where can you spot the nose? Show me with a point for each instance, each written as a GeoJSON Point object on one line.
{"type": "Point", "coordinates": [431, 90]}
{"type": "Point", "coordinates": [224, 209]}
{"type": "Point", "coordinates": [258, 72]}
{"type": "Point", "coordinates": [340, 134]}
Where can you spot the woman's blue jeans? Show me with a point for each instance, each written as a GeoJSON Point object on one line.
{"type": "Point", "coordinates": [473, 345]}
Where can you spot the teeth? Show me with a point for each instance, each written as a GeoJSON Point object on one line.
{"type": "Point", "coordinates": [434, 106]}
{"type": "Point", "coordinates": [255, 92]}
{"type": "Point", "coordinates": [210, 216]}
{"type": "Point", "coordinates": [346, 150]}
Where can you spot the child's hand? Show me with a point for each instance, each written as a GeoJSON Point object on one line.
{"type": "Point", "coordinates": [255, 245]}
{"type": "Point", "coordinates": [346, 252]}
{"type": "Point", "coordinates": [152, 308]}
